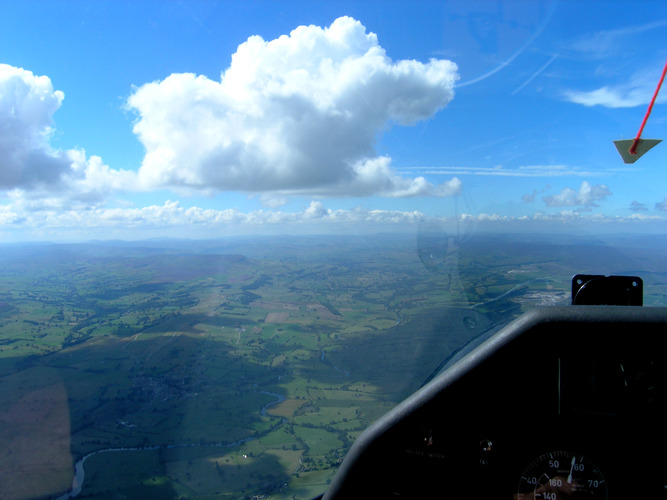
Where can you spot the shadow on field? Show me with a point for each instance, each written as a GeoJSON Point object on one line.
{"type": "Point", "coordinates": [398, 360]}
{"type": "Point", "coordinates": [170, 415]}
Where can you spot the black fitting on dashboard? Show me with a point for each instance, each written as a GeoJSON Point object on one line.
{"type": "Point", "coordinates": [599, 290]}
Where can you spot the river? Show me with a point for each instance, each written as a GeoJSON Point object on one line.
{"type": "Point", "coordinates": [79, 472]}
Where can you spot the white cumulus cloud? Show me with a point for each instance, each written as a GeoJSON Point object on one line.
{"type": "Point", "coordinates": [27, 103]}
{"type": "Point", "coordinates": [298, 114]}
{"type": "Point", "coordinates": [586, 196]}
{"type": "Point", "coordinates": [29, 167]}
{"type": "Point", "coordinates": [611, 97]}
{"type": "Point", "coordinates": [636, 91]}
{"type": "Point", "coordinates": [662, 205]}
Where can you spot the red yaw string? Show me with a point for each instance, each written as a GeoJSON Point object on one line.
{"type": "Point", "coordinates": [633, 148]}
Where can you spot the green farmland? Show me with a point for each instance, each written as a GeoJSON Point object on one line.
{"type": "Point", "coordinates": [236, 368]}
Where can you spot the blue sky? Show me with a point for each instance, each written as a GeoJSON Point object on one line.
{"type": "Point", "coordinates": [201, 119]}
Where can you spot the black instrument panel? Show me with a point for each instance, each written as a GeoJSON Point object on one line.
{"type": "Point", "coordinates": [565, 402]}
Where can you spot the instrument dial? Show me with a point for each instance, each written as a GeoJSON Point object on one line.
{"type": "Point", "coordinates": [561, 474]}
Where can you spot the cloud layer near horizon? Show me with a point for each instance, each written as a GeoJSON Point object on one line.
{"type": "Point", "coordinates": [298, 114]}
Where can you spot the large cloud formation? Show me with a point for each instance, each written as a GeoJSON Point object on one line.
{"type": "Point", "coordinates": [26, 105]}
{"type": "Point", "coordinates": [29, 167]}
{"type": "Point", "coordinates": [298, 114]}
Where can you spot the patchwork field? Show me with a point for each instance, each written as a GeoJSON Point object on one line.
{"type": "Point", "coordinates": [237, 368]}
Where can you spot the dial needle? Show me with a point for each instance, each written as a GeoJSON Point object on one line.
{"type": "Point", "coordinates": [569, 476]}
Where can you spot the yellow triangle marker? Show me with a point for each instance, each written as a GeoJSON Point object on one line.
{"type": "Point", "coordinates": [642, 147]}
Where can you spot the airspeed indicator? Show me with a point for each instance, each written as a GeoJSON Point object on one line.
{"type": "Point", "coordinates": [561, 474]}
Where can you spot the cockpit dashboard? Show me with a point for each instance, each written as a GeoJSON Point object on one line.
{"type": "Point", "coordinates": [565, 402]}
